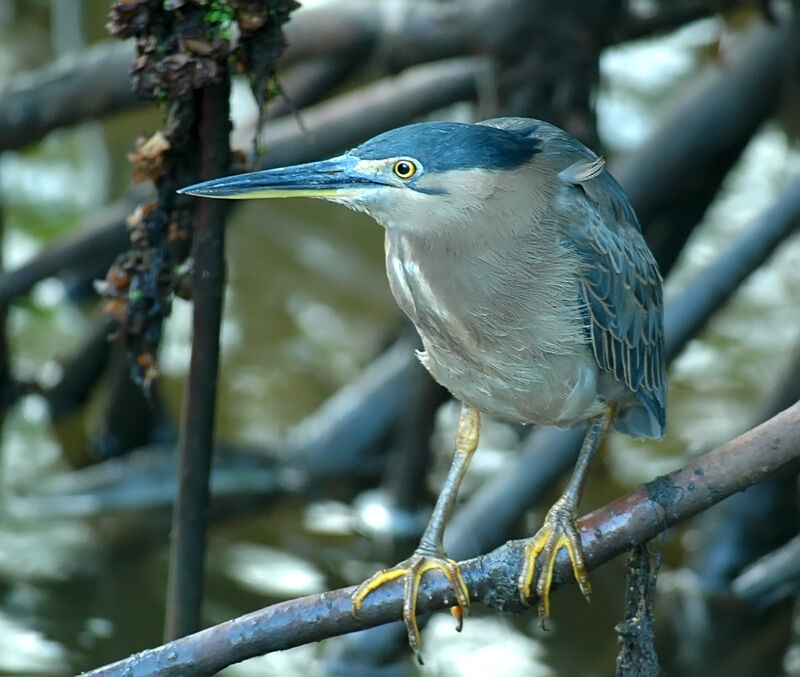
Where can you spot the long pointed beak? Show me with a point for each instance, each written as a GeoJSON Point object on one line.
{"type": "Point", "coordinates": [334, 178]}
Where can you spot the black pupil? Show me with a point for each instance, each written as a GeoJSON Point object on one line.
{"type": "Point", "coordinates": [403, 168]}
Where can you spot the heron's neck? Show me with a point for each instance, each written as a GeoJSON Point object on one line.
{"type": "Point", "coordinates": [468, 268]}
{"type": "Point", "coordinates": [486, 296]}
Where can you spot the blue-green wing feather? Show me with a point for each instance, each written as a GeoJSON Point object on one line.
{"type": "Point", "coordinates": [620, 288]}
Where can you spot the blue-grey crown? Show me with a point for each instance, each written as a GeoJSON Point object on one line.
{"type": "Point", "coordinates": [442, 146]}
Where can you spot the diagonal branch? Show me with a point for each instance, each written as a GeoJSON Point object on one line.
{"type": "Point", "coordinates": [607, 532]}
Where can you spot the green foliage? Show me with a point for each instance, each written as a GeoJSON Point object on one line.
{"type": "Point", "coordinates": [221, 15]}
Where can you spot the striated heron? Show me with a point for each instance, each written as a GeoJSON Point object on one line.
{"type": "Point", "coordinates": [521, 263]}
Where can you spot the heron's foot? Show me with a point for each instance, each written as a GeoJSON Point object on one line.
{"type": "Point", "coordinates": [558, 531]}
{"type": "Point", "coordinates": [412, 570]}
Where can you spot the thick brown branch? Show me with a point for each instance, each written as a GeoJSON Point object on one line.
{"type": "Point", "coordinates": [607, 532]}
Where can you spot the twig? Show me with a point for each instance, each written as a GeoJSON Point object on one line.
{"type": "Point", "coordinates": [607, 532]}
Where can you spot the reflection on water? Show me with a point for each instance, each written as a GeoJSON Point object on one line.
{"type": "Point", "coordinates": [23, 650]}
{"type": "Point", "coordinates": [500, 649]}
{"type": "Point", "coordinates": [271, 572]}
{"type": "Point", "coordinates": [306, 307]}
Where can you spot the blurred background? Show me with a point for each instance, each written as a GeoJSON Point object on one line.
{"type": "Point", "coordinates": [316, 484]}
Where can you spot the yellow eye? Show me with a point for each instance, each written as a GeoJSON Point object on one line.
{"type": "Point", "coordinates": [405, 169]}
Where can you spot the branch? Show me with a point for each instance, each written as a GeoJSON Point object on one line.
{"type": "Point", "coordinates": [335, 442]}
{"type": "Point", "coordinates": [605, 533]}
{"type": "Point", "coordinates": [103, 236]}
{"type": "Point", "coordinates": [81, 371]}
{"type": "Point", "coordinates": [308, 83]}
{"type": "Point", "coordinates": [774, 577]}
{"type": "Point", "coordinates": [196, 443]}
{"type": "Point", "coordinates": [76, 87]}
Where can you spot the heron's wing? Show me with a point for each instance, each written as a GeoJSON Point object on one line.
{"type": "Point", "coordinates": [620, 286]}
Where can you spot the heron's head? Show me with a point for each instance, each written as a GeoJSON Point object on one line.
{"type": "Point", "coordinates": [415, 178]}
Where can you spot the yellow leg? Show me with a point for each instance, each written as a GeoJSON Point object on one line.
{"type": "Point", "coordinates": [430, 553]}
{"type": "Point", "coordinates": [560, 531]}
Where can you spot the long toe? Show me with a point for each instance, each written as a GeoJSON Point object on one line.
{"type": "Point", "coordinates": [557, 532]}
{"type": "Point", "coordinates": [412, 571]}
